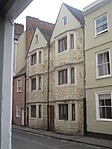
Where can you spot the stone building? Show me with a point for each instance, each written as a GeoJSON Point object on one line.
{"type": "Point", "coordinates": [67, 72]}
{"type": "Point", "coordinates": [55, 75]}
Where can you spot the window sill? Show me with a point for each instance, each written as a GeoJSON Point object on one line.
{"type": "Point", "coordinates": [19, 91]}
{"type": "Point", "coordinates": [103, 77]}
{"type": "Point", "coordinates": [101, 34]}
{"type": "Point", "coordinates": [104, 120]}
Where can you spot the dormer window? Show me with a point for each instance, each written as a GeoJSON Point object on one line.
{"type": "Point", "coordinates": [64, 20]}
{"type": "Point", "coordinates": [36, 38]}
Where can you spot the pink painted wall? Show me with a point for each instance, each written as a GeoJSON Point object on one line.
{"type": "Point", "coordinates": [18, 99]}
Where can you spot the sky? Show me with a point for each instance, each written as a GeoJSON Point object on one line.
{"type": "Point", "coordinates": [47, 10]}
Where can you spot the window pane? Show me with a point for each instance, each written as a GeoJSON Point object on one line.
{"type": "Point", "coordinates": [63, 111]}
{"type": "Point", "coordinates": [33, 84]}
{"type": "Point", "coordinates": [62, 44]}
{"type": "Point", "coordinates": [40, 111]}
{"type": "Point", "coordinates": [72, 75]}
{"type": "Point", "coordinates": [33, 111]}
{"type": "Point", "coordinates": [105, 106]}
{"type": "Point", "coordinates": [39, 82]}
{"type": "Point", "coordinates": [72, 41]}
{"type": "Point", "coordinates": [101, 24]}
{"type": "Point", "coordinates": [40, 57]}
{"type": "Point", "coordinates": [73, 112]}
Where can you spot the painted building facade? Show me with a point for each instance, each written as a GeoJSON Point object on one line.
{"type": "Point", "coordinates": [98, 59]}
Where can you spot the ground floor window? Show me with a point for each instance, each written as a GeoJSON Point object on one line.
{"type": "Point", "coordinates": [18, 111]}
{"type": "Point", "coordinates": [104, 106]}
{"type": "Point", "coordinates": [40, 111]}
{"type": "Point", "coordinates": [33, 111]}
{"type": "Point", "coordinates": [73, 112]}
{"type": "Point", "coordinates": [63, 111]}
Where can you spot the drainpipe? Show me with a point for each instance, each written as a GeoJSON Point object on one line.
{"type": "Point", "coordinates": [25, 103]}
{"type": "Point", "coordinates": [84, 99]}
{"type": "Point", "coordinates": [48, 45]}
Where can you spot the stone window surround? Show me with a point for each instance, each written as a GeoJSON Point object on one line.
{"type": "Point", "coordinates": [68, 67]}
{"type": "Point", "coordinates": [69, 111]}
{"type": "Point", "coordinates": [37, 111]}
{"type": "Point", "coordinates": [37, 56]}
{"type": "Point", "coordinates": [68, 34]}
{"type": "Point", "coordinates": [97, 105]}
{"type": "Point", "coordinates": [37, 85]}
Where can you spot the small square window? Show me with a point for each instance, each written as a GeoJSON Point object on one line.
{"type": "Point", "coordinates": [19, 85]}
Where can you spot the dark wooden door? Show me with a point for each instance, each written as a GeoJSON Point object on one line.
{"type": "Point", "coordinates": [51, 117]}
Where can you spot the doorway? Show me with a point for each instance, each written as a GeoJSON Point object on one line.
{"type": "Point", "coordinates": [51, 117]}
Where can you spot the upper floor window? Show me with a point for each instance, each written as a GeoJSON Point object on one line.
{"type": "Point", "coordinates": [33, 83]}
{"type": "Point", "coordinates": [104, 106]}
{"type": "Point", "coordinates": [64, 20]}
{"type": "Point", "coordinates": [33, 59]}
{"type": "Point", "coordinates": [62, 77]}
{"type": "Point", "coordinates": [36, 38]}
{"type": "Point", "coordinates": [72, 75]}
{"type": "Point", "coordinates": [72, 41]}
{"type": "Point", "coordinates": [39, 83]}
{"type": "Point", "coordinates": [62, 44]}
{"type": "Point", "coordinates": [103, 64]}
{"type": "Point", "coordinates": [101, 24]}
{"type": "Point", "coordinates": [19, 85]}
{"type": "Point", "coordinates": [40, 56]}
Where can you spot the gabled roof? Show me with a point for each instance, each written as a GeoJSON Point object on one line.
{"type": "Point", "coordinates": [78, 14]}
{"type": "Point", "coordinates": [46, 33]}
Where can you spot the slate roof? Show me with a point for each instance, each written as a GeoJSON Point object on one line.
{"type": "Point", "coordinates": [46, 33]}
{"type": "Point", "coordinates": [76, 13]}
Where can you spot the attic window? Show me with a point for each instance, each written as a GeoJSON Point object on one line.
{"type": "Point", "coordinates": [64, 20]}
{"type": "Point", "coordinates": [36, 38]}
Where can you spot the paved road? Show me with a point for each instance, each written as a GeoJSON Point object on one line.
{"type": "Point", "coordinates": [25, 140]}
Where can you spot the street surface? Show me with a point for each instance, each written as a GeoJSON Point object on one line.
{"type": "Point", "coordinates": [26, 140]}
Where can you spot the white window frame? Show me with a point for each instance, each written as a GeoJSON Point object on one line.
{"type": "Point", "coordinates": [97, 105]}
{"type": "Point", "coordinates": [34, 117]}
{"type": "Point", "coordinates": [103, 31]}
{"type": "Point", "coordinates": [104, 76]}
{"type": "Point", "coordinates": [19, 90]}
{"type": "Point", "coordinates": [38, 82]}
{"type": "Point", "coordinates": [18, 111]}
{"type": "Point", "coordinates": [75, 111]}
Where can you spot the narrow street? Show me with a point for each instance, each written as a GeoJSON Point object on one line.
{"type": "Point", "coordinates": [25, 140]}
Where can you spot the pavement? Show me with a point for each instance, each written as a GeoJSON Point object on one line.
{"type": "Point", "coordinates": [79, 139]}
